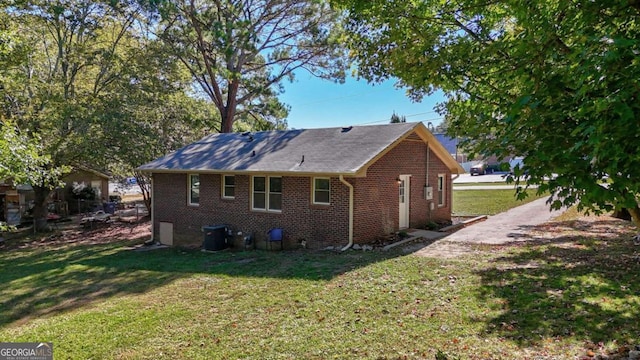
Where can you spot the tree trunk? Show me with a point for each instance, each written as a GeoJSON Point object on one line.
{"type": "Point", "coordinates": [145, 187]}
{"type": "Point", "coordinates": [228, 112]}
{"type": "Point", "coordinates": [40, 210]}
{"type": "Point", "coordinates": [635, 215]}
{"type": "Point", "coordinates": [226, 125]}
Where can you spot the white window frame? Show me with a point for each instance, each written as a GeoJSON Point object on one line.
{"type": "Point", "coordinates": [224, 187]}
{"type": "Point", "coordinates": [190, 187]}
{"type": "Point", "coordinates": [442, 190]}
{"type": "Point", "coordinates": [313, 191]}
{"type": "Point", "coordinates": [267, 192]}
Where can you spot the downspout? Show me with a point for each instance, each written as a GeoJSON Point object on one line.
{"type": "Point", "coordinates": [428, 153]}
{"type": "Point", "coordinates": [153, 209]}
{"type": "Point", "coordinates": [342, 180]}
{"type": "Point", "coordinates": [429, 201]}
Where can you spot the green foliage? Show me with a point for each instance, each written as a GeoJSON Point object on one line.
{"type": "Point", "coordinates": [83, 191]}
{"type": "Point", "coordinates": [395, 119]}
{"type": "Point", "coordinates": [431, 225]}
{"type": "Point", "coordinates": [6, 228]}
{"type": "Point", "coordinates": [21, 159]}
{"type": "Point", "coordinates": [92, 89]}
{"type": "Point", "coordinates": [554, 82]}
{"type": "Point", "coordinates": [240, 52]}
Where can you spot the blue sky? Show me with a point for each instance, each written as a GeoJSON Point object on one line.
{"type": "Point", "coordinates": [319, 103]}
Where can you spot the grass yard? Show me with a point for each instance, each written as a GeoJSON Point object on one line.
{"type": "Point", "coordinates": [488, 202]}
{"type": "Point", "coordinates": [574, 288]}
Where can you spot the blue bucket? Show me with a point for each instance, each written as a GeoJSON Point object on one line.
{"type": "Point", "coordinates": [275, 234]}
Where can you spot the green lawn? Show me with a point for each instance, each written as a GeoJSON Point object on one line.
{"type": "Point", "coordinates": [107, 301]}
{"type": "Point", "coordinates": [487, 202]}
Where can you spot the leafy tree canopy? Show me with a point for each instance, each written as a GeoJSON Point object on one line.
{"type": "Point", "coordinates": [80, 82]}
{"type": "Point", "coordinates": [239, 52]}
{"type": "Point", "coordinates": [554, 81]}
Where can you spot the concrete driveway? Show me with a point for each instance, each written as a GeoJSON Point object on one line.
{"type": "Point", "coordinates": [507, 227]}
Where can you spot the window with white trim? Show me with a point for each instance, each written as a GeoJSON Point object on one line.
{"type": "Point", "coordinates": [228, 186]}
{"type": "Point", "coordinates": [441, 190]}
{"type": "Point", "coordinates": [267, 193]}
{"type": "Point", "coordinates": [321, 191]}
{"type": "Point", "coordinates": [194, 189]}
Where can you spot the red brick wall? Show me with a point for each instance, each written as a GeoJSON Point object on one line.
{"type": "Point", "coordinates": [376, 203]}
{"type": "Point", "coordinates": [319, 226]}
{"type": "Point", "coordinates": [376, 196]}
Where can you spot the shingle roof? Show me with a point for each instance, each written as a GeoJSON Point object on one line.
{"type": "Point", "coordinates": [451, 144]}
{"type": "Point", "coordinates": [327, 150]}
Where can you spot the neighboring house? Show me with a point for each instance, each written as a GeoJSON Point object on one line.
{"type": "Point", "coordinates": [15, 200]}
{"type": "Point", "coordinates": [328, 187]}
{"type": "Point", "coordinates": [97, 180]}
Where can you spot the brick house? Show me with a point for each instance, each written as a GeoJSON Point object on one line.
{"type": "Point", "coordinates": [328, 187]}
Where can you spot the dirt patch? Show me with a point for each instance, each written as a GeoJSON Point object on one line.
{"type": "Point", "coordinates": [75, 234]}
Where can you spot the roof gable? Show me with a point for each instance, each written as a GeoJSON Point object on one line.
{"type": "Point", "coordinates": [327, 151]}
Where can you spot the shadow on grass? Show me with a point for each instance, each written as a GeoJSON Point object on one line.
{"type": "Point", "coordinates": [582, 283]}
{"type": "Point", "coordinates": [49, 280]}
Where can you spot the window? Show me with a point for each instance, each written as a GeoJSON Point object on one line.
{"type": "Point", "coordinates": [228, 186]}
{"type": "Point", "coordinates": [441, 189]}
{"type": "Point", "coordinates": [194, 189]}
{"type": "Point", "coordinates": [97, 188]}
{"type": "Point", "coordinates": [321, 191]}
{"type": "Point", "coordinates": [267, 193]}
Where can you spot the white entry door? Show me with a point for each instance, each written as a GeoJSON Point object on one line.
{"type": "Point", "coordinates": [403, 197]}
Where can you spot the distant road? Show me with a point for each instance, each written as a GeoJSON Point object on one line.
{"type": "Point", "coordinates": [489, 186]}
{"type": "Point", "coordinates": [496, 178]}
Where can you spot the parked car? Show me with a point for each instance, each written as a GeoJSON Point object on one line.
{"type": "Point", "coordinates": [478, 169]}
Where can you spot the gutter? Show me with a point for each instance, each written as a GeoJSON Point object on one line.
{"type": "Point", "coordinates": [342, 180]}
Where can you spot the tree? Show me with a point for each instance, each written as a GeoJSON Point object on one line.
{"type": "Point", "coordinates": [73, 58]}
{"type": "Point", "coordinates": [395, 119]}
{"type": "Point", "coordinates": [150, 113]}
{"type": "Point", "coordinates": [240, 51]}
{"type": "Point", "coordinates": [21, 159]}
{"type": "Point", "coordinates": [556, 82]}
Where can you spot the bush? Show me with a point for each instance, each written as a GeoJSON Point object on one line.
{"type": "Point", "coordinates": [81, 191]}
{"type": "Point", "coordinates": [431, 225]}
